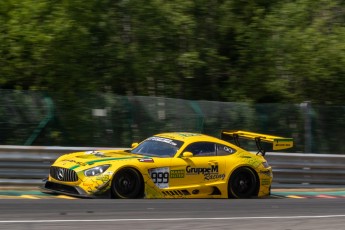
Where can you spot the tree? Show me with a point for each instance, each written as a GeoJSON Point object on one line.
{"type": "Point", "coordinates": [307, 50]}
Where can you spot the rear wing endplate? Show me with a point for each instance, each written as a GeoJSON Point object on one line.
{"type": "Point", "coordinates": [278, 143]}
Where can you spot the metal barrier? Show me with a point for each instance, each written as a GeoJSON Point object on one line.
{"type": "Point", "coordinates": [307, 170]}
{"type": "Point", "coordinates": [27, 166]}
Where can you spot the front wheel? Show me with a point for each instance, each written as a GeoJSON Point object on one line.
{"type": "Point", "coordinates": [127, 184]}
{"type": "Point", "coordinates": [242, 183]}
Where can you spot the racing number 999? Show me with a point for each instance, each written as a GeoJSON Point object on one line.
{"type": "Point", "coordinates": [160, 177]}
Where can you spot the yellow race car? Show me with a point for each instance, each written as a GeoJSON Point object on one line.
{"type": "Point", "coordinates": [169, 165]}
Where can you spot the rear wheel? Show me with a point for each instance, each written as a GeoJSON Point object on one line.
{"type": "Point", "coordinates": [127, 183]}
{"type": "Point", "coordinates": [242, 183]}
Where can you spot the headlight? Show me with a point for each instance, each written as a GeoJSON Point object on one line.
{"type": "Point", "coordinates": [96, 170]}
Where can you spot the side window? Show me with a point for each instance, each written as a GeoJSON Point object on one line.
{"type": "Point", "coordinates": [223, 150]}
{"type": "Point", "coordinates": [201, 149]}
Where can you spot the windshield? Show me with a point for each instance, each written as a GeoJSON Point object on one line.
{"type": "Point", "coordinates": [158, 146]}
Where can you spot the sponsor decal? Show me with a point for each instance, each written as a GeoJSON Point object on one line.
{"type": "Point", "coordinates": [177, 173]}
{"type": "Point", "coordinates": [189, 134]}
{"type": "Point", "coordinates": [103, 178]}
{"type": "Point", "coordinates": [87, 184]}
{"type": "Point", "coordinates": [282, 144]}
{"type": "Point", "coordinates": [210, 173]}
{"type": "Point", "coordinates": [214, 176]}
{"type": "Point", "coordinates": [191, 171]}
{"type": "Point", "coordinates": [161, 139]}
{"type": "Point", "coordinates": [96, 153]}
{"type": "Point", "coordinates": [76, 162]}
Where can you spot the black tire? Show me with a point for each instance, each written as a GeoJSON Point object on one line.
{"type": "Point", "coordinates": [127, 184]}
{"type": "Point", "coordinates": [242, 183]}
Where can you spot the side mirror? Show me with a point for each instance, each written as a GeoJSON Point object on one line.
{"type": "Point", "coordinates": [187, 154]}
{"type": "Point", "coordinates": [135, 144]}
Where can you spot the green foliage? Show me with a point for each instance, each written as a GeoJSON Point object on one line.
{"type": "Point", "coordinates": [256, 51]}
{"type": "Point", "coordinates": [307, 49]}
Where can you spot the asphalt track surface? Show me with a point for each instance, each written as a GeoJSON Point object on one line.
{"type": "Point", "coordinates": [278, 212]}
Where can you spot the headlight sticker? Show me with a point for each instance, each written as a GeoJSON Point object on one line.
{"type": "Point", "coordinates": [160, 176]}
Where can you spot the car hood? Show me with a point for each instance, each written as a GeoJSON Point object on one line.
{"type": "Point", "coordinates": [90, 158]}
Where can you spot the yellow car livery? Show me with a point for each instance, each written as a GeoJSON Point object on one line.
{"type": "Point", "coordinates": [169, 165]}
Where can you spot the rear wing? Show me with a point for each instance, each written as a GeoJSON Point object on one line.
{"type": "Point", "coordinates": [277, 142]}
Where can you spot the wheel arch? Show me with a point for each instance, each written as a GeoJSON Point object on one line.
{"type": "Point", "coordinates": [141, 177]}
{"type": "Point", "coordinates": [257, 178]}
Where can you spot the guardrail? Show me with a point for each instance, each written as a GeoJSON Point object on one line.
{"type": "Point", "coordinates": [27, 166]}
{"type": "Point", "coordinates": [309, 170]}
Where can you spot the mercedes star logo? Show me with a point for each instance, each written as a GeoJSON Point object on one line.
{"type": "Point", "coordinates": [60, 174]}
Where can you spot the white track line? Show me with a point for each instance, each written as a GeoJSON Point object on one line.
{"type": "Point", "coordinates": [173, 219]}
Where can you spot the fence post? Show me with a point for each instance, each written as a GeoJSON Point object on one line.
{"type": "Point", "coordinates": [200, 115]}
{"type": "Point", "coordinates": [306, 107]}
{"type": "Point", "coordinates": [49, 116]}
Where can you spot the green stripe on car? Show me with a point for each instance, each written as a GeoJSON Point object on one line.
{"type": "Point", "coordinates": [100, 160]}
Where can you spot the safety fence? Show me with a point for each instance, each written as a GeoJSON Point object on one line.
{"type": "Point", "coordinates": [34, 118]}
{"type": "Point", "coordinates": [27, 166]}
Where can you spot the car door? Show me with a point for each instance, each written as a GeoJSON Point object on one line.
{"type": "Point", "coordinates": [201, 168]}
{"type": "Point", "coordinates": [159, 171]}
